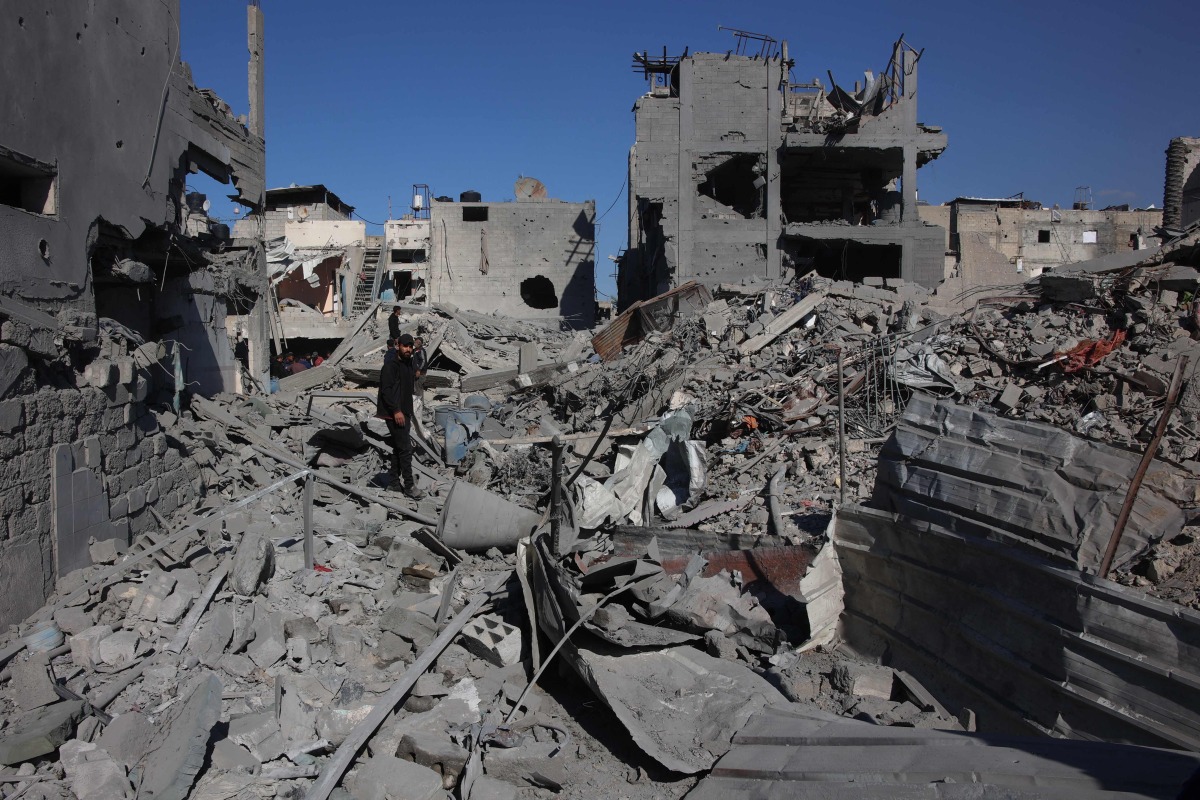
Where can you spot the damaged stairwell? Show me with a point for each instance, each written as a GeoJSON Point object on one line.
{"type": "Point", "coordinates": [763, 530]}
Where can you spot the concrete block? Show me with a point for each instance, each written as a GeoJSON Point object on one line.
{"type": "Point", "coordinates": [73, 620]}
{"type": "Point", "coordinates": [85, 645]}
{"type": "Point", "coordinates": [489, 788]}
{"type": "Point", "coordinates": [92, 772]}
{"type": "Point", "coordinates": [39, 733]}
{"type": "Point", "coordinates": [435, 752]}
{"type": "Point", "coordinates": [493, 639]}
{"type": "Point", "coordinates": [119, 648]}
{"type": "Point", "coordinates": [412, 626]}
{"type": "Point", "coordinates": [270, 644]}
{"type": "Point", "coordinates": [30, 684]}
{"type": "Point", "coordinates": [386, 776]}
{"type": "Point", "coordinates": [253, 564]}
{"type": "Point", "coordinates": [12, 416]}
{"type": "Point", "coordinates": [174, 606]}
{"type": "Point", "coordinates": [260, 734]}
{"type": "Point", "coordinates": [1010, 398]}
{"type": "Point", "coordinates": [103, 551]}
{"type": "Point", "coordinates": [863, 680]}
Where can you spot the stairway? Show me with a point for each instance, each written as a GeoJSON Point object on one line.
{"type": "Point", "coordinates": [364, 293]}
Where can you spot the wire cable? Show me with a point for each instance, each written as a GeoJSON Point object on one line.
{"type": "Point", "coordinates": [614, 202]}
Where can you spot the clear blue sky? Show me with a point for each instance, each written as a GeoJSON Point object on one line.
{"type": "Point", "coordinates": [371, 96]}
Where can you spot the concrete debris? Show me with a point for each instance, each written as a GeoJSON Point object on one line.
{"type": "Point", "coordinates": [253, 610]}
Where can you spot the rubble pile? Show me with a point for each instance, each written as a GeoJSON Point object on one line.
{"type": "Point", "coordinates": [644, 506]}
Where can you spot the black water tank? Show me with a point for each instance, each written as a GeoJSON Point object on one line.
{"type": "Point", "coordinates": [470, 196]}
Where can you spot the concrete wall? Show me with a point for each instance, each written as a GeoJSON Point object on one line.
{"type": "Point", "coordinates": [85, 109]}
{"type": "Point", "coordinates": [92, 111]}
{"type": "Point", "coordinates": [108, 433]}
{"type": "Point", "coordinates": [524, 241]}
{"type": "Point", "coordinates": [989, 240]}
{"type": "Point", "coordinates": [1026, 645]}
{"type": "Point", "coordinates": [730, 107]}
{"type": "Point", "coordinates": [325, 233]}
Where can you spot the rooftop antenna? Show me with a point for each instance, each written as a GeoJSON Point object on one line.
{"type": "Point", "coordinates": [745, 42]}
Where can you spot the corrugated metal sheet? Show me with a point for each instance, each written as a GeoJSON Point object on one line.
{"type": "Point", "coordinates": [656, 314]}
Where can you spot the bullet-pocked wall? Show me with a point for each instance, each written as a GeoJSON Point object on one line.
{"type": "Point", "coordinates": [528, 259]}
{"type": "Point", "coordinates": [94, 161]}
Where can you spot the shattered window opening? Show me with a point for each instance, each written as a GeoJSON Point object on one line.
{"type": "Point", "coordinates": [28, 184]}
{"type": "Point", "coordinates": [475, 214]}
{"type": "Point", "coordinates": [538, 292]}
{"type": "Point", "coordinates": [737, 184]}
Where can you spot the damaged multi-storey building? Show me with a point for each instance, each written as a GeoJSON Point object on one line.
{"type": "Point", "coordinates": [105, 298]}
{"type": "Point", "coordinates": [739, 173]}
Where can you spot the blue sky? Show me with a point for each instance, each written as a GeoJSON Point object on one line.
{"type": "Point", "coordinates": [370, 97]}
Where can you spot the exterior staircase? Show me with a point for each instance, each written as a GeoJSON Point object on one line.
{"type": "Point", "coordinates": [368, 281]}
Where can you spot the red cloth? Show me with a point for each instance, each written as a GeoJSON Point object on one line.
{"type": "Point", "coordinates": [1091, 351]}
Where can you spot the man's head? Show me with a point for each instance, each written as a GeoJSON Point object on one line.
{"type": "Point", "coordinates": [391, 344]}
{"type": "Point", "coordinates": [288, 358]}
{"type": "Point", "coordinates": [418, 342]}
{"type": "Point", "coordinates": [404, 345]}
{"type": "Point", "coordinates": [395, 311]}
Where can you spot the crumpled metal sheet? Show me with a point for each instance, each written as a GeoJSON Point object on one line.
{"type": "Point", "coordinates": [925, 369]}
{"type": "Point", "coordinates": [682, 707]}
{"type": "Point", "coordinates": [972, 471]}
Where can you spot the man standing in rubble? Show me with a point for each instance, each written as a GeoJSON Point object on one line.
{"type": "Point", "coordinates": [397, 381]}
{"type": "Point", "coordinates": [394, 323]}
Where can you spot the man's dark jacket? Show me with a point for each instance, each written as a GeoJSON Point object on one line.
{"type": "Point", "coordinates": [396, 380]}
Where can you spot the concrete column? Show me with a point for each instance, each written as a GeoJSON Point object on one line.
{"type": "Point", "coordinates": [685, 241]}
{"type": "Point", "coordinates": [776, 81]}
{"type": "Point", "coordinates": [909, 214]}
{"type": "Point", "coordinates": [255, 42]}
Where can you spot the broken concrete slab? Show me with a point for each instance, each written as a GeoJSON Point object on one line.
{"type": "Point", "coordinates": [253, 564]}
{"type": "Point", "coordinates": [93, 773]}
{"type": "Point", "coordinates": [177, 751]}
{"type": "Point", "coordinates": [385, 776]}
{"type": "Point", "coordinates": [39, 732]}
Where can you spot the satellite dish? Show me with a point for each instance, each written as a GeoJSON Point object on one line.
{"type": "Point", "coordinates": [530, 189]}
{"type": "Point", "coordinates": [303, 212]}
{"type": "Point", "coordinates": [206, 205]}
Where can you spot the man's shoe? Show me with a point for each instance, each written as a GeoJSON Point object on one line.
{"type": "Point", "coordinates": [414, 492]}
{"type": "Point", "coordinates": [395, 485]}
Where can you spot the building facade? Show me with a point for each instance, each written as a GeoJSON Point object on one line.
{"type": "Point", "coordinates": [739, 174]}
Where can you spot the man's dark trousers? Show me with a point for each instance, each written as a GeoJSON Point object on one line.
{"type": "Point", "coordinates": [402, 450]}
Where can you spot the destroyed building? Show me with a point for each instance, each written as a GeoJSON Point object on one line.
{"type": "Point", "coordinates": [811, 538]}
{"type": "Point", "coordinates": [530, 258]}
{"type": "Point", "coordinates": [104, 297]}
{"type": "Point", "coordinates": [1005, 241]}
{"type": "Point", "coordinates": [740, 173]}
{"type": "Point", "coordinates": [1181, 190]}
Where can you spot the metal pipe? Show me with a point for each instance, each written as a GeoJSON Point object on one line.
{"type": "Point", "coordinates": [842, 425]}
{"type": "Point", "coordinates": [556, 494]}
{"type": "Point", "coordinates": [1151, 450]}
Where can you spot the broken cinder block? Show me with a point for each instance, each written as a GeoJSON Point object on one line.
{"type": "Point", "coordinates": [493, 639]}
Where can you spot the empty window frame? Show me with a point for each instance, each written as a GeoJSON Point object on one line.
{"type": "Point", "coordinates": [1044, 237]}
{"type": "Point", "coordinates": [407, 256]}
{"type": "Point", "coordinates": [475, 214]}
